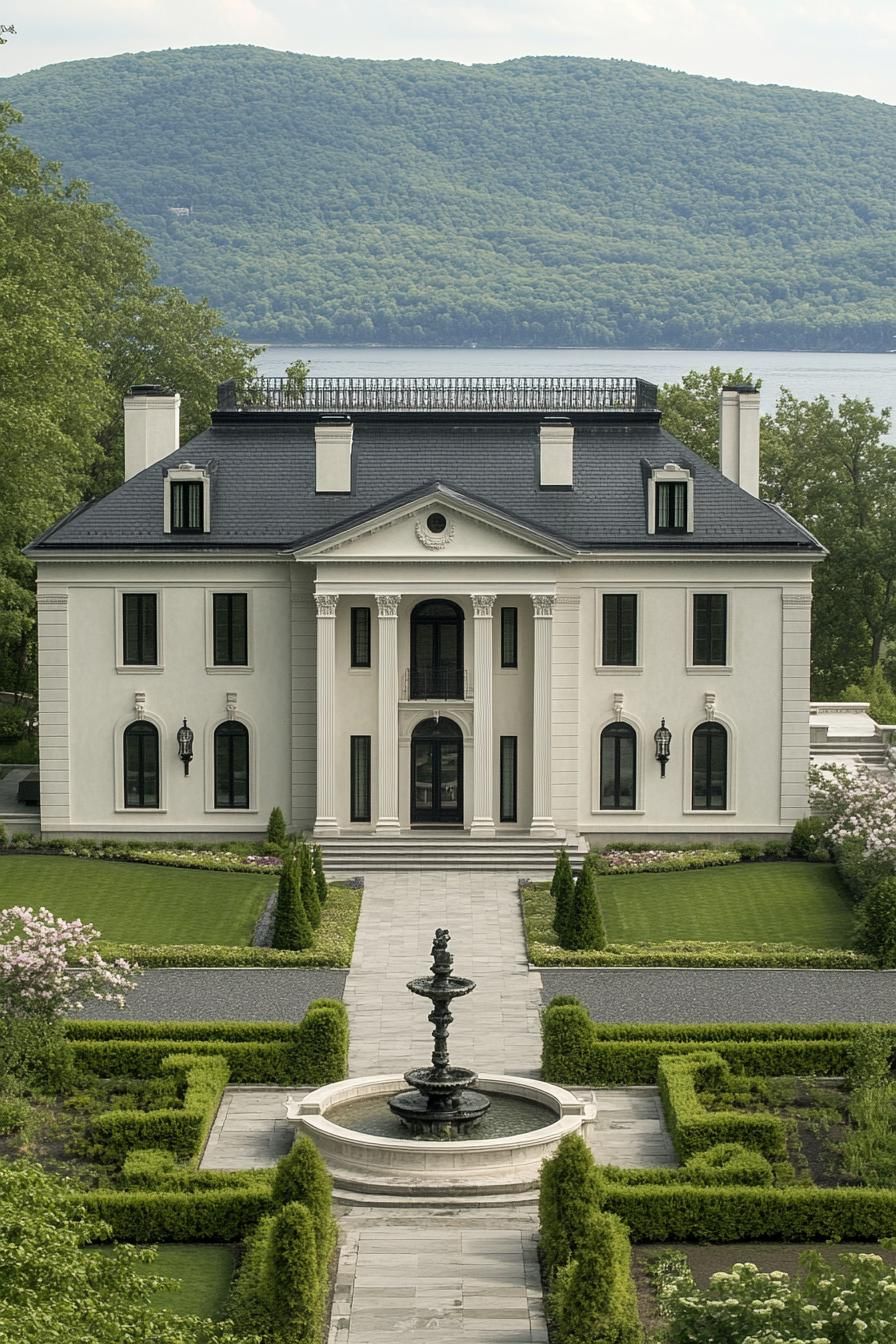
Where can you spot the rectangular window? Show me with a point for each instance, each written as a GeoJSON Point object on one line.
{"type": "Point", "coordinates": [140, 627]}
{"type": "Point", "coordinates": [671, 506]}
{"type": "Point", "coordinates": [186, 506]}
{"type": "Point", "coordinates": [231, 640]}
{"type": "Point", "coordinates": [509, 651]}
{"type": "Point", "coordinates": [508, 779]}
{"type": "Point", "coordinates": [360, 637]}
{"type": "Point", "coordinates": [360, 779]}
{"type": "Point", "coordinates": [710, 629]}
{"type": "Point", "coordinates": [619, 629]}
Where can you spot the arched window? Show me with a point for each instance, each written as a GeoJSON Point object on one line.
{"type": "Point", "coordinates": [141, 764]}
{"type": "Point", "coordinates": [709, 774]}
{"type": "Point", "coordinates": [231, 765]}
{"type": "Point", "coordinates": [618, 743]}
{"type": "Point", "coordinates": [437, 651]}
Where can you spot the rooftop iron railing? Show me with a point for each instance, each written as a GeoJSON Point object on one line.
{"type": "Point", "coordinates": [346, 395]}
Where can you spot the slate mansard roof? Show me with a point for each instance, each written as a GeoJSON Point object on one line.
{"type": "Point", "coordinates": [262, 470]}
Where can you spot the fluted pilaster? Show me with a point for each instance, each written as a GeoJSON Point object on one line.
{"type": "Point", "coordinates": [483, 731]}
{"type": "Point", "coordinates": [387, 822]}
{"type": "Point", "coordinates": [542, 809]}
{"type": "Point", "coordinates": [326, 821]}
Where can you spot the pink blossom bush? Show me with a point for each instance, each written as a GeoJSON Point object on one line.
{"type": "Point", "coordinates": [48, 966]}
{"type": "Point", "coordinates": [857, 806]}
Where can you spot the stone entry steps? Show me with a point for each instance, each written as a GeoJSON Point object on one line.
{"type": "Point", "coordinates": [440, 852]}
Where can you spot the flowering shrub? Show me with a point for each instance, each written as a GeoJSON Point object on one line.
{"type": "Point", "coordinates": [38, 956]}
{"type": "Point", "coordinates": [857, 807]}
{"type": "Point", "coordinates": [841, 1304]}
{"type": "Point", "coordinates": [662, 860]}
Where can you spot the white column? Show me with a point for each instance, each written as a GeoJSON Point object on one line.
{"type": "Point", "coordinates": [53, 679]}
{"type": "Point", "coordinates": [326, 821]}
{"type": "Point", "coordinates": [387, 822]}
{"type": "Point", "coordinates": [483, 753]}
{"type": "Point", "coordinates": [542, 811]}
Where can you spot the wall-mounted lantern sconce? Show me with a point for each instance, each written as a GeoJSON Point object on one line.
{"type": "Point", "coordinates": [663, 739]}
{"type": "Point", "coordinates": [185, 746]}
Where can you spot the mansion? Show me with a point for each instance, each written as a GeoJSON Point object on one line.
{"type": "Point", "coordinates": [494, 606]}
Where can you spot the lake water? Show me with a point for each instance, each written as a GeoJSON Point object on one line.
{"type": "Point", "coordinates": [806, 375]}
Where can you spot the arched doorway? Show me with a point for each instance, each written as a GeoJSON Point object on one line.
{"type": "Point", "coordinates": [437, 651]}
{"type": "Point", "coordinates": [437, 773]}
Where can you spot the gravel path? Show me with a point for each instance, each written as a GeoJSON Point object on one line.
{"type": "Point", "coordinates": [681, 995]}
{"type": "Point", "coordinates": [246, 994]}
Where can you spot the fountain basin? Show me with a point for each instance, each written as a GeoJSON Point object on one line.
{"type": "Point", "coordinates": [369, 1163]}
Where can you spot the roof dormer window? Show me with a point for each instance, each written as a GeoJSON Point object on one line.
{"type": "Point", "coordinates": [187, 500]}
{"type": "Point", "coordinates": [670, 500]}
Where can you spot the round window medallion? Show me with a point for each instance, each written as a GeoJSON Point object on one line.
{"type": "Point", "coordinates": [437, 522]}
{"type": "Point", "coordinates": [435, 533]}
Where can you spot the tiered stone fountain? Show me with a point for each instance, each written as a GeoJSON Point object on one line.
{"type": "Point", "coordinates": [380, 1140]}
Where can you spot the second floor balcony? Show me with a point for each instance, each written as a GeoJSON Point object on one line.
{"type": "Point", "coordinates": [436, 683]}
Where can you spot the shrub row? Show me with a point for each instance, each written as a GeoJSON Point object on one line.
{"type": "Point", "coordinates": [723, 1164]}
{"type": "Point", "coordinates": [175, 1215]}
{"type": "Point", "coordinates": [694, 1128]}
{"type": "Point", "coordinates": [313, 1052]}
{"type": "Point", "coordinates": [781, 956]}
{"type": "Point", "coordinates": [577, 1052]}
{"type": "Point", "coordinates": [184, 1129]}
{"type": "Point", "coordinates": [158, 1169]}
{"type": "Point", "coordinates": [230, 857]}
{"type": "Point", "coordinates": [751, 1213]}
{"type": "Point", "coordinates": [586, 1253]}
{"type": "Point", "coordinates": [332, 953]}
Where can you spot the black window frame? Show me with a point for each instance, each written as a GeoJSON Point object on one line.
{"type": "Point", "coordinates": [182, 492]}
{"type": "Point", "coordinates": [359, 777]}
{"type": "Point", "coordinates": [702, 799]}
{"type": "Point", "coordinates": [359, 655]}
{"type": "Point", "coordinates": [618, 733]}
{"type": "Point", "coordinates": [614, 644]}
{"type": "Point", "coordinates": [142, 733]}
{"type": "Point", "coordinates": [510, 632]}
{"type": "Point", "coordinates": [675, 511]}
{"type": "Point", "coordinates": [709, 646]}
{"type": "Point", "coordinates": [136, 653]}
{"type": "Point", "coordinates": [508, 757]}
{"type": "Point", "coordinates": [223, 627]}
{"type": "Point", "coordinates": [231, 732]}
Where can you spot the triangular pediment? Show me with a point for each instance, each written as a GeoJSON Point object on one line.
{"type": "Point", "coordinates": [439, 522]}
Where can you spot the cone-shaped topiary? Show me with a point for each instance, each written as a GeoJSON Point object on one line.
{"type": "Point", "coordinates": [297, 1295]}
{"type": "Point", "coordinates": [320, 876]}
{"type": "Point", "coordinates": [570, 1187]}
{"type": "Point", "coordinates": [308, 886]}
{"type": "Point", "coordinates": [301, 1177]}
{"type": "Point", "coordinates": [562, 886]}
{"type": "Point", "coordinates": [276, 832]}
{"type": "Point", "coordinates": [584, 927]}
{"type": "Point", "coordinates": [292, 929]}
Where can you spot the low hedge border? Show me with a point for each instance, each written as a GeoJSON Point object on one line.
{"type": "Point", "coordinates": [182, 1130]}
{"type": "Point", "coordinates": [724, 1164]}
{"type": "Point", "coordinates": [693, 1127]}
{"type": "Point", "coordinates": [177, 1215]}
{"type": "Point", "coordinates": [312, 1052]}
{"type": "Point", "coordinates": [577, 1052]}
{"type": "Point", "coordinates": [158, 1169]}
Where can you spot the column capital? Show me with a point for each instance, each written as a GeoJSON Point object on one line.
{"type": "Point", "coordinates": [387, 603]}
{"type": "Point", "coordinates": [483, 603]}
{"type": "Point", "coordinates": [543, 604]}
{"type": "Point", "coordinates": [326, 603]}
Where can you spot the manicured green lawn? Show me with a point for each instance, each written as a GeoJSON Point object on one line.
{"type": "Point", "coordinates": [800, 903]}
{"type": "Point", "coordinates": [138, 902]}
{"type": "Point", "coordinates": [205, 1271]}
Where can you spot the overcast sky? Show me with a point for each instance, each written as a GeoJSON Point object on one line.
{"type": "Point", "coordinates": [815, 44]}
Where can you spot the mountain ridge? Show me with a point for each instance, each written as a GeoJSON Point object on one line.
{"type": "Point", "coordinates": [544, 200]}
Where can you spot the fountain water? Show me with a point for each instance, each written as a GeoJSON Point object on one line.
{"type": "Point", "coordinates": [442, 1103]}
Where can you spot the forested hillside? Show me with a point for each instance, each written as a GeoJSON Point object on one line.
{"type": "Point", "coordinates": [540, 201]}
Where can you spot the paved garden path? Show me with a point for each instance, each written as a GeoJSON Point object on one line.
{"type": "Point", "coordinates": [496, 1029]}
{"type": "Point", "coordinates": [660, 994]}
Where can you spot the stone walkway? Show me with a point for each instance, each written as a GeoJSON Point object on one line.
{"type": "Point", "coordinates": [497, 1030]}
{"type": "Point", "coordinates": [464, 1278]}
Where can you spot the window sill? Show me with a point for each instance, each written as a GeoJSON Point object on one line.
{"type": "Point", "coordinates": [618, 811]}
{"type": "Point", "coordinates": [142, 811]}
{"type": "Point", "coordinates": [136, 669]}
{"type": "Point", "coordinates": [709, 812]}
{"type": "Point", "coordinates": [709, 670]}
{"type": "Point", "coordinates": [219, 669]}
{"type": "Point", "coordinates": [231, 811]}
{"type": "Point", "coordinates": [623, 669]}
{"type": "Point", "coordinates": [353, 671]}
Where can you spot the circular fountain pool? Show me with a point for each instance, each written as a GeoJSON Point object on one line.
{"type": "Point", "coordinates": [505, 1116]}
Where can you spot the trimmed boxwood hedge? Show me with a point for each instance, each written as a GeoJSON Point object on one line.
{"type": "Point", "coordinates": [723, 1164]}
{"type": "Point", "coordinates": [175, 1215]}
{"type": "Point", "coordinates": [577, 1052]}
{"type": "Point", "coordinates": [183, 1129]}
{"type": "Point", "coordinates": [694, 1128]}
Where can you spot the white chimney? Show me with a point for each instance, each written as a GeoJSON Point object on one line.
{"type": "Point", "coordinates": [151, 427]}
{"type": "Point", "coordinates": [739, 436]}
{"type": "Point", "coordinates": [555, 459]}
{"type": "Point", "coordinates": [333, 456]}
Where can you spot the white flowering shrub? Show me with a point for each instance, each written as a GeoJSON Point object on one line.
{"type": "Point", "coordinates": [48, 966]}
{"type": "Point", "coordinates": [850, 1302]}
{"type": "Point", "coordinates": [858, 807]}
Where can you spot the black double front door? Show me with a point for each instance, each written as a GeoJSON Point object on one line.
{"type": "Point", "coordinates": [437, 773]}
